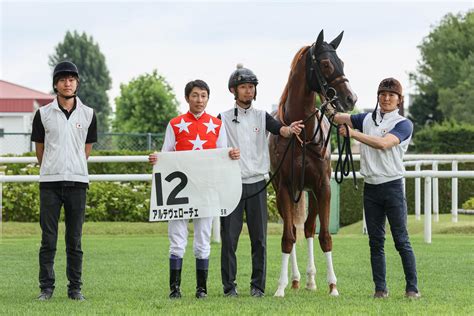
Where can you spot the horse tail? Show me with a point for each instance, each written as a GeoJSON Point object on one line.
{"type": "Point", "coordinates": [299, 216]}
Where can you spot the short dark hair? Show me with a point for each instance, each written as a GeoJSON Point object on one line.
{"type": "Point", "coordinates": [196, 83]}
{"type": "Point", "coordinates": [63, 75]}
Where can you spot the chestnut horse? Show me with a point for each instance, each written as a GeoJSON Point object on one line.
{"type": "Point", "coordinates": [315, 69]}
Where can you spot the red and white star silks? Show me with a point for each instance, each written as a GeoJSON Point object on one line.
{"type": "Point", "coordinates": [186, 132]}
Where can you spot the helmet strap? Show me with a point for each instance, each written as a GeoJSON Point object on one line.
{"type": "Point", "coordinates": [374, 113]}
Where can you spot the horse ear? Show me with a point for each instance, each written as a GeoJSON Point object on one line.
{"type": "Point", "coordinates": [335, 42]}
{"type": "Point", "coordinates": [320, 39]}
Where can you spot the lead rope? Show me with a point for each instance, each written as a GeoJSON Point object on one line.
{"type": "Point", "coordinates": [343, 167]}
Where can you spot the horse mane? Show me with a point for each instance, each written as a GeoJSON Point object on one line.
{"type": "Point", "coordinates": [284, 95]}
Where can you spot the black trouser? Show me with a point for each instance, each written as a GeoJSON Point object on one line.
{"type": "Point", "coordinates": [231, 227]}
{"type": "Point", "coordinates": [51, 201]}
{"type": "Point", "coordinates": [387, 200]}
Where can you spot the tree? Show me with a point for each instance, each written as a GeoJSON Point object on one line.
{"type": "Point", "coordinates": [424, 110]}
{"type": "Point", "coordinates": [445, 74]}
{"type": "Point", "coordinates": [94, 75]}
{"type": "Point", "coordinates": [145, 105]}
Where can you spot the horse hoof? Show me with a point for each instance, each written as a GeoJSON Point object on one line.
{"type": "Point", "coordinates": [295, 284]}
{"type": "Point", "coordinates": [280, 293]}
{"type": "Point", "coordinates": [311, 286]}
{"type": "Point", "coordinates": [333, 290]}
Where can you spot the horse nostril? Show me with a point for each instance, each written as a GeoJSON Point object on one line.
{"type": "Point", "coordinates": [349, 99]}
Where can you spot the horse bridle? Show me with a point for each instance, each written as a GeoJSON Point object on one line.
{"type": "Point", "coordinates": [322, 85]}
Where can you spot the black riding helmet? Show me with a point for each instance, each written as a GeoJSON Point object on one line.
{"type": "Point", "coordinates": [242, 75]}
{"type": "Point", "coordinates": [64, 68]}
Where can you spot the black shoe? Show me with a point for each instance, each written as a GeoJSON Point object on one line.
{"type": "Point", "coordinates": [45, 295]}
{"type": "Point", "coordinates": [76, 295]}
{"type": "Point", "coordinates": [175, 293]}
{"type": "Point", "coordinates": [412, 294]}
{"type": "Point", "coordinates": [201, 293]}
{"type": "Point", "coordinates": [381, 294]}
{"type": "Point", "coordinates": [256, 292]}
{"type": "Point", "coordinates": [231, 293]}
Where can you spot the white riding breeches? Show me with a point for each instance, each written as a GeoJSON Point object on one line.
{"type": "Point", "coordinates": [178, 236]}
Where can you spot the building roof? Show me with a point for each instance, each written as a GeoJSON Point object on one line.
{"type": "Point", "coordinates": [16, 98]}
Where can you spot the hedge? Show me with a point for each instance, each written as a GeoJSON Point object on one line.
{"type": "Point", "coordinates": [445, 138]}
{"type": "Point", "coordinates": [129, 201]}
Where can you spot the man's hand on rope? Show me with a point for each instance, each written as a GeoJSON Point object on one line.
{"type": "Point", "coordinates": [345, 130]}
{"type": "Point", "coordinates": [295, 128]}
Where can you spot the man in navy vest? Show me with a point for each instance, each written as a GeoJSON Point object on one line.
{"type": "Point", "coordinates": [384, 136]}
{"type": "Point", "coordinates": [63, 132]}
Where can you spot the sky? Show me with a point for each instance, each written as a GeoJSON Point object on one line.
{"type": "Point", "coordinates": [187, 40]}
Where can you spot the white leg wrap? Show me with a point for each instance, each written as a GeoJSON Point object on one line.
{"type": "Point", "coordinates": [295, 273]}
{"type": "Point", "coordinates": [283, 281]}
{"type": "Point", "coordinates": [311, 267]}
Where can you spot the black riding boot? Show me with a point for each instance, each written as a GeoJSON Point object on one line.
{"type": "Point", "coordinates": [175, 277]}
{"type": "Point", "coordinates": [201, 277]}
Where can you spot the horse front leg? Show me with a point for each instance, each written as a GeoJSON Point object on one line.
{"type": "Point", "coordinates": [325, 240]}
{"type": "Point", "coordinates": [285, 208]}
{"type": "Point", "coordinates": [309, 230]}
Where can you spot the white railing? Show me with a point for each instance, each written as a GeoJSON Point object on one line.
{"type": "Point", "coordinates": [430, 177]}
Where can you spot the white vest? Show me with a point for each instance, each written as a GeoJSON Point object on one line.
{"type": "Point", "coordinates": [377, 165]}
{"type": "Point", "coordinates": [64, 157]}
{"type": "Point", "coordinates": [250, 137]}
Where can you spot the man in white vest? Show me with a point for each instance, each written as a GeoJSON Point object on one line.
{"type": "Point", "coordinates": [384, 136]}
{"type": "Point", "coordinates": [246, 129]}
{"type": "Point", "coordinates": [63, 132]}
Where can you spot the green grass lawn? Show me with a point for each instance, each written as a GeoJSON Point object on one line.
{"type": "Point", "coordinates": [126, 272]}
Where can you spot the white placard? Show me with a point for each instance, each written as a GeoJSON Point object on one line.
{"type": "Point", "coordinates": [194, 184]}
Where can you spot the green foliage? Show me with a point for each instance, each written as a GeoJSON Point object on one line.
{"type": "Point", "coordinates": [21, 202]}
{"type": "Point", "coordinates": [445, 74]}
{"type": "Point", "coordinates": [106, 201]}
{"type": "Point", "coordinates": [424, 110]}
{"type": "Point", "coordinates": [115, 201]}
{"type": "Point", "coordinates": [446, 138]}
{"type": "Point", "coordinates": [145, 105]}
{"type": "Point", "coordinates": [273, 215]}
{"type": "Point", "coordinates": [469, 204]}
{"type": "Point", "coordinates": [94, 75]}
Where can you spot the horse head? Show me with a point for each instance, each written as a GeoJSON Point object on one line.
{"type": "Point", "coordinates": [325, 73]}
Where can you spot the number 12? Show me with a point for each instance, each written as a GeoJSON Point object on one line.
{"type": "Point", "coordinates": [172, 199]}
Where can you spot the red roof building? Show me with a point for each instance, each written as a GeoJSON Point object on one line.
{"type": "Point", "coordinates": [16, 98]}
